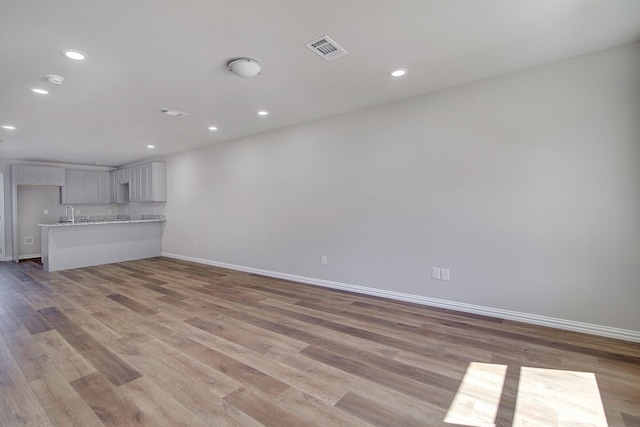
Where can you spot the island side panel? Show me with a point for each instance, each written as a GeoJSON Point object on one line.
{"type": "Point", "coordinates": [88, 245]}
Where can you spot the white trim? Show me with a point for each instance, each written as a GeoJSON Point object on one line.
{"type": "Point", "coordinates": [3, 249]}
{"type": "Point", "coordinates": [570, 325]}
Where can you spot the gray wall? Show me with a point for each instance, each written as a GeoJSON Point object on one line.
{"type": "Point", "coordinates": [32, 202]}
{"type": "Point", "coordinates": [527, 187]}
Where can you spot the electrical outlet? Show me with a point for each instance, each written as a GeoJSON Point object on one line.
{"type": "Point", "coordinates": [28, 240]}
{"type": "Point", "coordinates": [46, 211]}
{"type": "Point", "coordinates": [445, 273]}
{"type": "Point", "coordinates": [323, 260]}
{"type": "Point", "coordinates": [435, 273]}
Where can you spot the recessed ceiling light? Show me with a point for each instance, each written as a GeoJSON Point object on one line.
{"type": "Point", "coordinates": [213, 128]}
{"type": "Point", "coordinates": [40, 91]}
{"type": "Point", "coordinates": [76, 55]}
{"type": "Point", "coordinates": [9, 127]}
{"type": "Point", "coordinates": [398, 73]}
{"type": "Point", "coordinates": [151, 146]}
{"type": "Point", "coordinates": [263, 113]}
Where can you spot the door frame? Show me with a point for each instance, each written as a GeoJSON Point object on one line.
{"type": "Point", "coordinates": [3, 251]}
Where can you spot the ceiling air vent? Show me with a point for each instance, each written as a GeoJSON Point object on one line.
{"type": "Point", "coordinates": [174, 113]}
{"type": "Point", "coordinates": [326, 48]}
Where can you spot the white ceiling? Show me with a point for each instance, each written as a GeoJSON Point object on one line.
{"type": "Point", "coordinates": [144, 55]}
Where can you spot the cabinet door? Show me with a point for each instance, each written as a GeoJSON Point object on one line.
{"type": "Point", "coordinates": [104, 194]}
{"type": "Point", "coordinates": [72, 190]}
{"type": "Point", "coordinates": [80, 187]}
{"type": "Point", "coordinates": [39, 175]}
{"type": "Point", "coordinates": [113, 187]}
{"type": "Point", "coordinates": [123, 176]}
{"type": "Point", "coordinates": [146, 181]}
{"type": "Point", "coordinates": [54, 176]}
{"type": "Point", "coordinates": [134, 184]}
{"type": "Point", "coordinates": [29, 175]}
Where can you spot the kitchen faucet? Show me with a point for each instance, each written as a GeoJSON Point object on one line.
{"type": "Point", "coordinates": [73, 216]}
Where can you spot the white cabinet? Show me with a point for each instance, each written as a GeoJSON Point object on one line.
{"type": "Point", "coordinates": [38, 175]}
{"type": "Point", "coordinates": [135, 184]}
{"type": "Point", "coordinates": [119, 186]}
{"type": "Point", "coordinates": [148, 183]}
{"type": "Point", "coordinates": [103, 188]}
{"type": "Point", "coordinates": [85, 187]}
{"type": "Point", "coordinates": [141, 183]}
{"type": "Point", "coordinates": [122, 176]}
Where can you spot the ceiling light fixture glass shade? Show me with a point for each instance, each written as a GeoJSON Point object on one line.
{"type": "Point", "coordinates": [40, 91]}
{"type": "Point", "coordinates": [263, 113]}
{"type": "Point", "coordinates": [76, 55]}
{"type": "Point", "coordinates": [213, 128]}
{"type": "Point", "coordinates": [8, 127]}
{"type": "Point", "coordinates": [245, 67]}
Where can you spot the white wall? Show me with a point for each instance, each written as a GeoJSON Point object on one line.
{"type": "Point", "coordinates": [32, 203]}
{"type": "Point", "coordinates": [527, 187]}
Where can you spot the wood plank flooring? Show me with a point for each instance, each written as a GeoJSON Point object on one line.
{"type": "Point", "coordinates": [161, 342]}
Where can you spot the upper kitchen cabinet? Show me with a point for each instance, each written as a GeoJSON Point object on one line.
{"type": "Point", "coordinates": [148, 182]}
{"type": "Point", "coordinates": [119, 186]}
{"type": "Point", "coordinates": [38, 175]}
{"type": "Point", "coordinates": [141, 183]}
{"type": "Point", "coordinates": [85, 187]}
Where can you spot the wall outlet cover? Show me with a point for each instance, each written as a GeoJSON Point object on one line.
{"type": "Point", "coordinates": [435, 273]}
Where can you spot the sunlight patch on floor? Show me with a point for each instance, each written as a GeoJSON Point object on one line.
{"type": "Point", "coordinates": [549, 397]}
{"type": "Point", "coordinates": [546, 397]}
{"type": "Point", "coordinates": [476, 403]}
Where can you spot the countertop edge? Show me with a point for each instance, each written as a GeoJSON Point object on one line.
{"type": "Point", "coordinates": [68, 224]}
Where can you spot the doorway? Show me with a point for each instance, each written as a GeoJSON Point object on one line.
{"type": "Point", "coordinates": [3, 256]}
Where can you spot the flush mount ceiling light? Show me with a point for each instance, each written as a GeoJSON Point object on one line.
{"type": "Point", "coordinates": [39, 91]}
{"type": "Point", "coordinates": [8, 127]}
{"type": "Point", "coordinates": [76, 55]}
{"type": "Point", "coordinates": [151, 146]}
{"type": "Point", "coordinates": [54, 79]}
{"type": "Point", "coordinates": [244, 67]}
{"type": "Point", "coordinates": [263, 113]}
{"type": "Point", "coordinates": [213, 128]}
{"type": "Point", "coordinates": [398, 73]}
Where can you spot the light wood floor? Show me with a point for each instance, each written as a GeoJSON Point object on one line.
{"type": "Point", "coordinates": [169, 343]}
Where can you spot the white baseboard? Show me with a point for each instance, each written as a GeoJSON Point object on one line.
{"type": "Point", "coordinates": [570, 325]}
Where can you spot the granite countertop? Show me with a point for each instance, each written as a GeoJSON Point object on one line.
{"type": "Point", "coordinates": [104, 219]}
{"type": "Point", "coordinates": [68, 224]}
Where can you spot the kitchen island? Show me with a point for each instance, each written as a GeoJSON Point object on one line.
{"type": "Point", "coordinates": [66, 245]}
